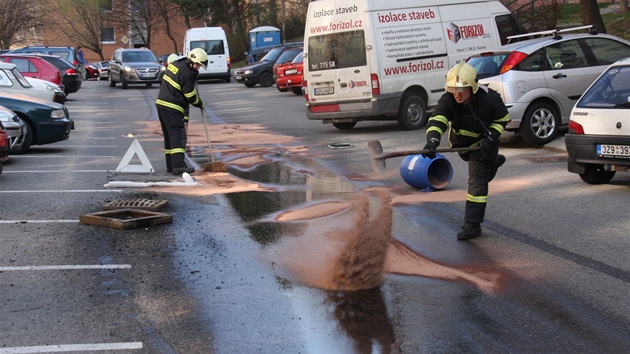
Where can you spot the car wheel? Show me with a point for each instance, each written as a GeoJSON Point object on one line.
{"type": "Point", "coordinates": [123, 82]}
{"type": "Point", "coordinates": [540, 124]}
{"type": "Point", "coordinates": [412, 113]}
{"type": "Point", "coordinates": [249, 84]}
{"type": "Point", "coordinates": [110, 81]}
{"type": "Point", "coordinates": [28, 137]}
{"type": "Point", "coordinates": [284, 89]}
{"type": "Point", "coordinates": [344, 126]}
{"type": "Point", "coordinates": [297, 90]}
{"type": "Point", "coordinates": [266, 80]}
{"type": "Point", "coordinates": [595, 174]}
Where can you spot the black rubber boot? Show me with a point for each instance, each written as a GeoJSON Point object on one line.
{"type": "Point", "coordinates": [469, 230]}
{"type": "Point", "coordinates": [180, 170]}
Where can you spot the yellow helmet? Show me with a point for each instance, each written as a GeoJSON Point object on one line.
{"type": "Point", "coordinates": [198, 56]}
{"type": "Point", "coordinates": [461, 75]}
{"type": "Point", "coordinates": [171, 58]}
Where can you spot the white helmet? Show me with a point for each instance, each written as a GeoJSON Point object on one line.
{"type": "Point", "coordinates": [171, 58]}
{"type": "Point", "coordinates": [461, 75]}
{"type": "Point", "coordinates": [198, 56]}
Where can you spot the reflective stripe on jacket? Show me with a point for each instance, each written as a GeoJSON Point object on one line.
{"type": "Point", "coordinates": [178, 88]}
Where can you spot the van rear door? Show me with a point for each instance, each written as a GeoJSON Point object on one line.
{"type": "Point", "coordinates": [336, 66]}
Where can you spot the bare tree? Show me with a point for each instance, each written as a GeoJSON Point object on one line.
{"type": "Point", "coordinates": [81, 21]}
{"type": "Point", "coordinates": [17, 17]}
{"type": "Point", "coordinates": [167, 10]}
{"type": "Point", "coordinates": [589, 12]}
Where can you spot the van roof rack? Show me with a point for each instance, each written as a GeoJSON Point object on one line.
{"type": "Point", "coordinates": [554, 32]}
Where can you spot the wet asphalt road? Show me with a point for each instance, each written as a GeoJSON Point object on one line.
{"type": "Point", "coordinates": [554, 248]}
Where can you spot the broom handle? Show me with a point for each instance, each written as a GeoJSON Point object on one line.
{"type": "Point", "coordinates": [205, 127]}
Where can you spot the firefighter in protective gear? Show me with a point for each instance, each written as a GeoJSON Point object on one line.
{"type": "Point", "coordinates": [473, 115]}
{"type": "Point", "coordinates": [177, 91]}
{"type": "Point", "coordinates": [171, 58]}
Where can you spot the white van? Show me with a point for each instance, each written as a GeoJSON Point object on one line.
{"type": "Point", "coordinates": [214, 42]}
{"type": "Point", "coordinates": [387, 60]}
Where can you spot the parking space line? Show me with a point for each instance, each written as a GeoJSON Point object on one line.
{"type": "Point", "coordinates": [38, 221]}
{"type": "Point", "coordinates": [50, 171]}
{"type": "Point", "coordinates": [63, 156]}
{"type": "Point", "coordinates": [72, 348]}
{"type": "Point", "coordinates": [68, 267]}
{"type": "Point", "coordinates": [65, 191]}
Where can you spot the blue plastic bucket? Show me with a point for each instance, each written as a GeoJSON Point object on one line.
{"type": "Point", "coordinates": [423, 172]}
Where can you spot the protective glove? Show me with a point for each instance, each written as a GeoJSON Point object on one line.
{"type": "Point", "coordinates": [486, 146]}
{"type": "Point", "coordinates": [432, 144]}
{"type": "Point", "coordinates": [200, 104]}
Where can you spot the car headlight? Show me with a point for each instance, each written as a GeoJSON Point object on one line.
{"type": "Point", "coordinates": [129, 69]}
{"type": "Point", "coordinates": [248, 72]}
{"type": "Point", "coordinates": [58, 113]}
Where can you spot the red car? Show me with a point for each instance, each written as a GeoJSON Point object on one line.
{"type": "Point", "coordinates": [90, 72]}
{"type": "Point", "coordinates": [4, 146]}
{"type": "Point", "coordinates": [32, 66]}
{"type": "Point", "coordinates": [290, 76]}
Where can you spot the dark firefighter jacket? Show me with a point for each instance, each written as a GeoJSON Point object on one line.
{"type": "Point", "coordinates": [178, 88]}
{"type": "Point", "coordinates": [486, 116]}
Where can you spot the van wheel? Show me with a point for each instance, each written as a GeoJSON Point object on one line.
{"type": "Point", "coordinates": [266, 80]}
{"type": "Point", "coordinates": [412, 113]}
{"type": "Point", "coordinates": [540, 124]}
{"type": "Point", "coordinates": [227, 79]}
{"type": "Point", "coordinates": [595, 174]}
{"type": "Point", "coordinates": [149, 84]}
{"type": "Point", "coordinates": [297, 90]}
{"type": "Point", "coordinates": [344, 126]}
{"type": "Point", "coordinates": [110, 81]}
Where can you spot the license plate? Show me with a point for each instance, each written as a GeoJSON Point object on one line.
{"type": "Point", "coordinates": [320, 91]}
{"type": "Point", "coordinates": [613, 150]}
{"type": "Point", "coordinates": [148, 75]}
{"type": "Point", "coordinates": [289, 72]}
{"type": "Point", "coordinates": [239, 77]}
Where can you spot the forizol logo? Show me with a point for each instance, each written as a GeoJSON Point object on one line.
{"type": "Point", "coordinates": [455, 32]}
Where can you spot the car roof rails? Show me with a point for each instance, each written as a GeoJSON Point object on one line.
{"type": "Point", "coordinates": [554, 32]}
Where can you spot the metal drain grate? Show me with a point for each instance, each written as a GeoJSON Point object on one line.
{"type": "Point", "coordinates": [126, 218]}
{"type": "Point", "coordinates": [142, 204]}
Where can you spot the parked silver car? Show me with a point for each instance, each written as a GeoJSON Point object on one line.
{"type": "Point", "coordinates": [541, 79]}
{"type": "Point", "coordinates": [14, 127]}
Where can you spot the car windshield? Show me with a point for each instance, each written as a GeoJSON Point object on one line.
{"type": "Point", "coordinates": [337, 50]}
{"type": "Point", "coordinates": [611, 90]}
{"type": "Point", "coordinates": [138, 56]}
{"type": "Point", "coordinates": [211, 47]}
{"type": "Point", "coordinates": [288, 55]}
{"type": "Point", "coordinates": [273, 55]}
{"type": "Point", "coordinates": [487, 65]}
{"type": "Point", "coordinates": [60, 63]}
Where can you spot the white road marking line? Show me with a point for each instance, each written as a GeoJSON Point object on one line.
{"type": "Point", "coordinates": [72, 348]}
{"type": "Point", "coordinates": [63, 156]}
{"type": "Point", "coordinates": [38, 221]}
{"type": "Point", "coordinates": [85, 146]}
{"type": "Point", "coordinates": [65, 191]}
{"type": "Point", "coordinates": [49, 171]}
{"type": "Point", "coordinates": [95, 138]}
{"type": "Point", "coordinates": [68, 267]}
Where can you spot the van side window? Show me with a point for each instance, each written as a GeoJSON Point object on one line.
{"type": "Point", "coordinates": [337, 50]}
{"type": "Point", "coordinates": [507, 26]}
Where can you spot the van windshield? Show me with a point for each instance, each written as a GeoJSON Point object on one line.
{"type": "Point", "coordinates": [336, 50]}
{"type": "Point", "coordinates": [212, 47]}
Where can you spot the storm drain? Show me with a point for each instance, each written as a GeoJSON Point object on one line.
{"type": "Point", "coordinates": [139, 203]}
{"type": "Point", "coordinates": [126, 219]}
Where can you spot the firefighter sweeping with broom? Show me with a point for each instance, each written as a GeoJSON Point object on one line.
{"type": "Point", "coordinates": [177, 90]}
{"type": "Point", "coordinates": [476, 115]}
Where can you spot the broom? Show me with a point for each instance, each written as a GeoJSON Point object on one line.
{"type": "Point", "coordinates": [214, 166]}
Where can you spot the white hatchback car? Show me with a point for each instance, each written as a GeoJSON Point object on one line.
{"type": "Point", "coordinates": [598, 141]}
{"type": "Point", "coordinates": [12, 81]}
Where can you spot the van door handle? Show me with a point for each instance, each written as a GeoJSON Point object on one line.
{"type": "Point", "coordinates": [559, 76]}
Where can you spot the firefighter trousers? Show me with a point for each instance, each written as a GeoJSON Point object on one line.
{"type": "Point", "coordinates": [479, 174]}
{"type": "Point", "coordinates": [175, 138]}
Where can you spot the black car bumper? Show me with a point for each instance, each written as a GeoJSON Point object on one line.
{"type": "Point", "coordinates": [51, 132]}
{"type": "Point", "coordinates": [582, 150]}
{"type": "Point", "coordinates": [60, 97]}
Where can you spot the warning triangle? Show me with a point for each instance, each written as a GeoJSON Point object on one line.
{"type": "Point", "coordinates": [135, 150]}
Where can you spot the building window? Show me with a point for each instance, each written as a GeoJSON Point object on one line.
{"type": "Point", "coordinates": [107, 35]}
{"type": "Point", "coordinates": [106, 5]}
